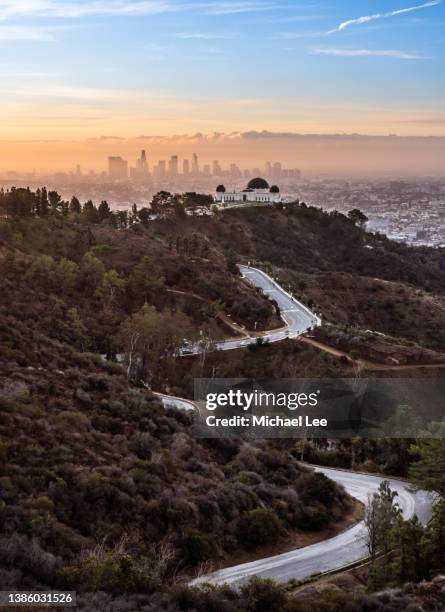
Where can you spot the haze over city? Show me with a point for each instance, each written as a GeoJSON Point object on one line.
{"type": "Point", "coordinates": [212, 77]}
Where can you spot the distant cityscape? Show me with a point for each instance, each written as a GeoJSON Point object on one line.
{"type": "Point", "coordinates": [407, 210]}
{"type": "Point", "coordinates": [118, 169]}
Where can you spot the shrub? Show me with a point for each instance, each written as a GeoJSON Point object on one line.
{"type": "Point", "coordinates": [264, 595]}
{"type": "Point", "coordinates": [199, 546]}
{"type": "Point", "coordinates": [259, 526]}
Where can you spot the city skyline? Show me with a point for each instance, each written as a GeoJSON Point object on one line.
{"type": "Point", "coordinates": [340, 154]}
{"type": "Point", "coordinates": [121, 169]}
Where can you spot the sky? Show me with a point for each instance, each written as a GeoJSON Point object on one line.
{"type": "Point", "coordinates": [74, 70]}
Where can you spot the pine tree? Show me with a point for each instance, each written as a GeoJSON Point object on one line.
{"type": "Point", "coordinates": [406, 560]}
{"type": "Point", "coordinates": [75, 206]}
{"type": "Point", "coordinates": [104, 210]}
{"type": "Point", "coordinates": [429, 471]}
{"type": "Point", "coordinates": [434, 540]}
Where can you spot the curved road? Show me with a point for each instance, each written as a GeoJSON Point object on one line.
{"type": "Point", "coordinates": [336, 552]}
{"type": "Point", "coordinates": [169, 401]}
{"type": "Point", "coordinates": [297, 317]}
{"type": "Point", "coordinates": [348, 546]}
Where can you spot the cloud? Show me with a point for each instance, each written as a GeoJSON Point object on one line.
{"type": "Point", "coordinates": [425, 121]}
{"type": "Point", "coordinates": [88, 94]}
{"type": "Point", "coordinates": [367, 53]}
{"type": "Point", "coordinates": [25, 33]}
{"type": "Point", "coordinates": [230, 8]}
{"type": "Point", "coordinates": [84, 8]}
{"type": "Point", "coordinates": [368, 18]}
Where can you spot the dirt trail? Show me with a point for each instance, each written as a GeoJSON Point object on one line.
{"type": "Point", "coordinates": [369, 365]}
{"type": "Point", "coordinates": [240, 331]}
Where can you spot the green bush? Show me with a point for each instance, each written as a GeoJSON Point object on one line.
{"type": "Point", "coordinates": [259, 526]}
{"type": "Point", "coordinates": [264, 595]}
{"type": "Point", "coordinates": [200, 546]}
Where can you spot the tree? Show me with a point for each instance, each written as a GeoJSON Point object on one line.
{"type": "Point", "coordinates": [42, 272]}
{"type": "Point", "coordinates": [92, 270]}
{"type": "Point", "coordinates": [178, 208]}
{"type": "Point", "coordinates": [110, 288]}
{"type": "Point", "coordinates": [434, 540]}
{"type": "Point", "coordinates": [144, 216]}
{"type": "Point", "coordinates": [231, 261]}
{"type": "Point", "coordinates": [54, 201]}
{"type": "Point", "coordinates": [406, 560]}
{"type": "Point", "coordinates": [90, 212]}
{"type": "Point", "coordinates": [148, 336]}
{"type": "Point", "coordinates": [357, 217]}
{"type": "Point", "coordinates": [121, 219]}
{"type": "Point", "coordinates": [145, 279]}
{"type": "Point", "coordinates": [380, 513]}
{"type": "Point", "coordinates": [429, 471]}
{"type": "Point", "coordinates": [75, 206]}
{"type": "Point", "coordinates": [163, 203]}
{"type": "Point", "coordinates": [42, 204]}
{"type": "Point", "coordinates": [67, 274]}
{"type": "Point", "coordinates": [104, 211]}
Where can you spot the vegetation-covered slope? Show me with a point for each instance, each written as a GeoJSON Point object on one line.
{"type": "Point", "coordinates": [100, 487]}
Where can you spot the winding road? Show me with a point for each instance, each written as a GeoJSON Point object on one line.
{"type": "Point", "coordinates": [343, 549]}
{"type": "Point", "coordinates": [346, 547]}
{"type": "Point", "coordinates": [297, 317]}
{"type": "Point", "coordinates": [170, 401]}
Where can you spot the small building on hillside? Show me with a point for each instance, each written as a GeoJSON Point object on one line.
{"type": "Point", "coordinates": [256, 192]}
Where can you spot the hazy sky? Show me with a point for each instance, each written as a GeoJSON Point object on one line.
{"type": "Point", "coordinates": [78, 69]}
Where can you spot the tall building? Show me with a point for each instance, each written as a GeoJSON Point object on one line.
{"type": "Point", "coordinates": [235, 172]}
{"type": "Point", "coordinates": [173, 165]}
{"type": "Point", "coordinates": [277, 170]}
{"type": "Point", "coordinates": [142, 162]}
{"type": "Point", "coordinates": [268, 169]}
{"type": "Point", "coordinates": [206, 170]}
{"type": "Point", "coordinates": [195, 165]}
{"type": "Point", "coordinates": [186, 167]}
{"type": "Point", "coordinates": [117, 168]}
{"type": "Point", "coordinates": [159, 169]}
{"type": "Point", "coordinates": [141, 169]}
{"type": "Point", "coordinates": [217, 170]}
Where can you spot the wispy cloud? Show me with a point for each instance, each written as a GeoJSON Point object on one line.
{"type": "Point", "coordinates": [88, 94]}
{"type": "Point", "coordinates": [368, 18]}
{"type": "Point", "coordinates": [84, 8]}
{"type": "Point", "coordinates": [425, 120]}
{"type": "Point", "coordinates": [26, 33]}
{"type": "Point", "coordinates": [366, 53]}
{"type": "Point", "coordinates": [232, 8]}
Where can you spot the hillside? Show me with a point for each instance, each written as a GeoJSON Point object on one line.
{"type": "Point", "coordinates": [94, 459]}
{"type": "Point", "coordinates": [101, 487]}
{"type": "Point", "coordinates": [350, 276]}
